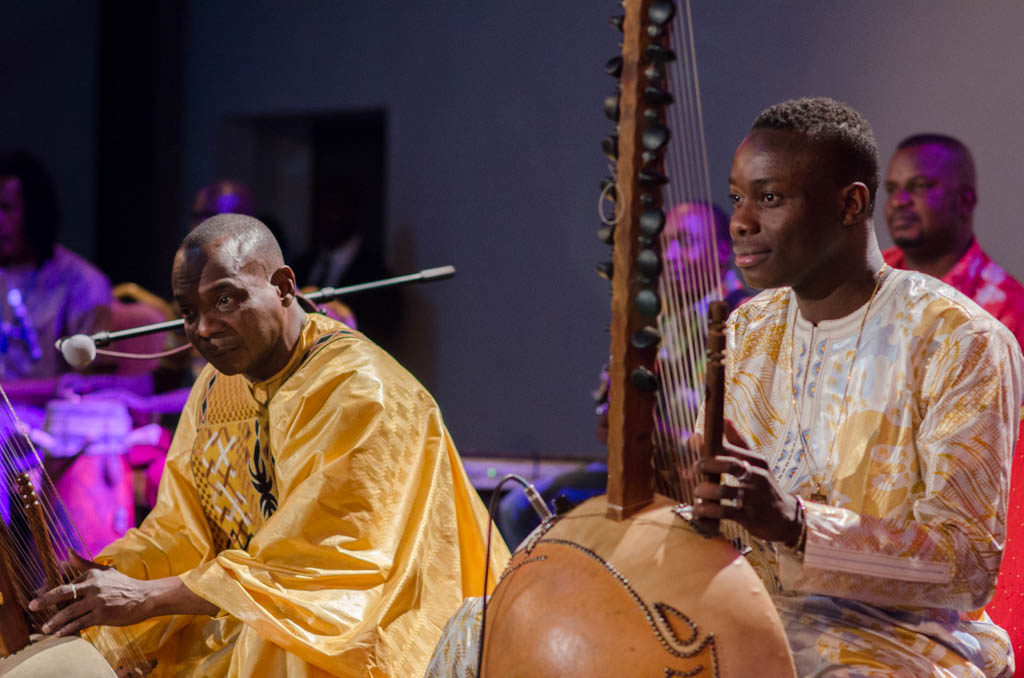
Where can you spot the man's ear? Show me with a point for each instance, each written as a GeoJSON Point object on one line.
{"type": "Point", "coordinates": [284, 280]}
{"type": "Point", "coordinates": [968, 198]}
{"type": "Point", "coordinates": [855, 203]}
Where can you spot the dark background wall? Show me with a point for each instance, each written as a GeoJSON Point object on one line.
{"type": "Point", "coordinates": [49, 83]}
{"type": "Point", "coordinates": [493, 124]}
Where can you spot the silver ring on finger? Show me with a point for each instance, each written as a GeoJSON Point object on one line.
{"type": "Point", "coordinates": [747, 471]}
{"type": "Point", "coordinates": [74, 592]}
{"type": "Point", "coordinates": [737, 503]}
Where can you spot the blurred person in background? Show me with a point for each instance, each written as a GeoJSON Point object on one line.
{"type": "Point", "coordinates": [46, 290]}
{"type": "Point", "coordinates": [932, 192]}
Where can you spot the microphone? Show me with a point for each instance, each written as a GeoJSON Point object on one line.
{"type": "Point", "coordinates": [78, 350]}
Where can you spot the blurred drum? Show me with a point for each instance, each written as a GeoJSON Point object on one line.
{"type": "Point", "coordinates": [89, 426]}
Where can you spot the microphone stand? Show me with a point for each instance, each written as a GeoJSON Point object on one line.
{"type": "Point", "coordinates": [102, 339]}
{"type": "Point", "coordinates": [326, 294]}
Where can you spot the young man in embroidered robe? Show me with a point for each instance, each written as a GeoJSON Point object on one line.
{"type": "Point", "coordinates": [314, 518]}
{"type": "Point", "coordinates": [873, 418]}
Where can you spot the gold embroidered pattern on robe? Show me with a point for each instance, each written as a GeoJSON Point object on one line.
{"type": "Point", "coordinates": [231, 461]}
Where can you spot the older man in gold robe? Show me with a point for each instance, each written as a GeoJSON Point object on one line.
{"type": "Point", "coordinates": [314, 518]}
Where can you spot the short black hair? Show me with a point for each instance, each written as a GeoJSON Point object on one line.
{"type": "Point", "coordinates": [39, 196]}
{"type": "Point", "coordinates": [834, 124]}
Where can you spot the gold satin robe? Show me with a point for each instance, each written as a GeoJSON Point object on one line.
{"type": "Point", "coordinates": [325, 511]}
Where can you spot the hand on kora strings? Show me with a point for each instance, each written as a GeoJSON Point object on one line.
{"type": "Point", "coordinates": [97, 595]}
{"type": "Point", "coordinates": [755, 499]}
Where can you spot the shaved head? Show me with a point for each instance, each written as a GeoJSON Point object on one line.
{"type": "Point", "coordinates": [239, 236]}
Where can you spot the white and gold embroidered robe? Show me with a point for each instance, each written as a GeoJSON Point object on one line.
{"type": "Point", "coordinates": [916, 464]}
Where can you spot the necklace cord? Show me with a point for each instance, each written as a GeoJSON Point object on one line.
{"type": "Point", "coordinates": [817, 473]}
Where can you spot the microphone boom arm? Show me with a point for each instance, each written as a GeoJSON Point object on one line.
{"type": "Point", "coordinates": [323, 295]}
{"type": "Point", "coordinates": [426, 275]}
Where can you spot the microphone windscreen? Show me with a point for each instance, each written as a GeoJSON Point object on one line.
{"type": "Point", "coordinates": [79, 350]}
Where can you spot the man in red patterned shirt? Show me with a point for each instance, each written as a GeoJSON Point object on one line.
{"type": "Point", "coordinates": [930, 207]}
{"type": "Point", "coordinates": [929, 210]}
